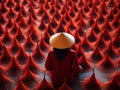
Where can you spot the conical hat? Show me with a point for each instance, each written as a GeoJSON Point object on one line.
{"type": "Point", "coordinates": [61, 40]}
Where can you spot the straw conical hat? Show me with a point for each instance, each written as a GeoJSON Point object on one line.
{"type": "Point", "coordinates": [61, 40]}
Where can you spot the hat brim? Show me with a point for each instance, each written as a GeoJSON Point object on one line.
{"type": "Point", "coordinates": [61, 40]}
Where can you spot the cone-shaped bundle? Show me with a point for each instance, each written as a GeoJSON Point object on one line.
{"type": "Point", "coordinates": [42, 25]}
{"type": "Point", "coordinates": [9, 23]}
{"type": "Point", "coordinates": [110, 16]}
{"type": "Point", "coordinates": [101, 4]}
{"type": "Point", "coordinates": [107, 64]}
{"type": "Point", "coordinates": [1, 48]}
{"type": "Point", "coordinates": [101, 42]}
{"type": "Point", "coordinates": [111, 51]}
{"type": "Point", "coordinates": [72, 13]}
{"type": "Point", "coordinates": [21, 86]}
{"type": "Point", "coordinates": [20, 36]}
{"type": "Point", "coordinates": [42, 44]}
{"type": "Point", "coordinates": [58, 6]}
{"type": "Point", "coordinates": [47, 5]}
{"type": "Point", "coordinates": [57, 15]}
{"type": "Point", "coordinates": [5, 57]}
{"type": "Point", "coordinates": [29, 78]}
{"type": "Point", "coordinates": [93, 11]}
{"type": "Point", "coordinates": [81, 31]}
{"type": "Point", "coordinates": [82, 23]}
{"type": "Point", "coordinates": [10, 3]}
{"type": "Point", "coordinates": [65, 8]}
{"type": "Point", "coordinates": [46, 36]}
{"type": "Point", "coordinates": [33, 13]}
{"type": "Point", "coordinates": [92, 36]}
{"type": "Point", "coordinates": [86, 8]}
{"type": "Point", "coordinates": [103, 8]}
{"type": "Point", "coordinates": [54, 23]}
{"type": "Point", "coordinates": [33, 32]}
{"type": "Point", "coordinates": [50, 30]}
{"type": "Point", "coordinates": [38, 55]}
{"type": "Point", "coordinates": [18, 17]}
{"type": "Point", "coordinates": [106, 35]}
{"type": "Point", "coordinates": [63, 21]}
{"type": "Point", "coordinates": [22, 23]}
{"type": "Point", "coordinates": [60, 28]}
{"type": "Point", "coordinates": [32, 65]}
{"type": "Point", "coordinates": [72, 26]}
{"type": "Point", "coordinates": [96, 55]}
{"type": "Point", "coordinates": [62, 40]}
{"type": "Point", "coordinates": [32, 3]}
{"type": "Point", "coordinates": [81, 3]}
{"type": "Point", "coordinates": [30, 20]}
{"type": "Point", "coordinates": [111, 3]}
{"type": "Point", "coordinates": [11, 13]}
{"type": "Point", "coordinates": [46, 17]}
{"type": "Point", "coordinates": [17, 6]}
{"type": "Point", "coordinates": [5, 82]}
{"type": "Point", "coordinates": [29, 44]}
{"type": "Point", "coordinates": [101, 19]}
{"type": "Point", "coordinates": [23, 11]}
{"type": "Point", "coordinates": [80, 15]}
{"type": "Point", "coordinates": [1, 30]}
{"type": "Point", "coordinates": [14, 69]}
{"type": "Point", "coordinates": [3, 9]}
{"type": "Point", "coordinates": [65, 87]}
{"type": "Point", "coordinates": [84, 63]}
{"type": "Point", "coordinates": [86, 44]}
{"type": "Point", "coordinates": [14, 29]}
{"type": "Point", "coordinates": [6, 39]}
{"type": "Point", "coordinates": [35, 35]}
{"type": "Point", "coordinates": [116, 41]}
{"type": "Point", "coordinates": [2, 19]}
{"type": "Point", "coordinates": [118, 62]}
{"type": "Point", "coordinates": [107, 25]}
{"type": "Point", "coordinates": [67, 17]}
{"type": "Point", "coordinates": [91, 83]}
{"type": "Point", "coordinates": [14, 48]}
{"type": "Point", "coordinates": [41, 10]}
{"type": "Point", "coordinates": [52, 9]}
{"type": "Point", "coordinates": [21, 57]}
{"type": "Point", "coordinates": [116, 21]}
{"type": "Point", "coordinates": [79, 51]}
{"type": "Point", "coordinates": [91, 21]}
{"type": "Point", "coordinates": [44, 85]}
{"type": "Point", "coordinates": [25, 2]}
{"type": "Point", "coordinates": [113, 84]}
{"type": "Point", "coordinates": [96, 28]}
{"type": "Point", "coordinates": [77, 37]}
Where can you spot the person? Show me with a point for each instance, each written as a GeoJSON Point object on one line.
{"type": "Point", "coordinates": [62, 61]}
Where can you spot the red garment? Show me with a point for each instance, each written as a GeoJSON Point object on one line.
{"type": "Point", "coordinates": [62, 70]}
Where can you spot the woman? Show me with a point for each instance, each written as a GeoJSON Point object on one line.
{"type": "Point", "coordinates": [62, 61]}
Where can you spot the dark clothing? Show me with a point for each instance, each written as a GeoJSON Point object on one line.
{"type": "Point", "coordinates": [66, 69]}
